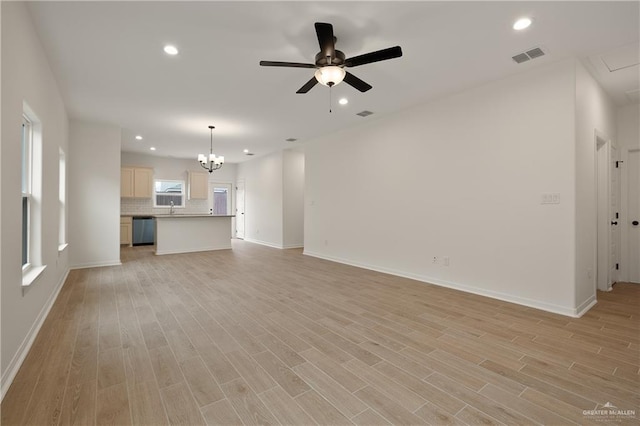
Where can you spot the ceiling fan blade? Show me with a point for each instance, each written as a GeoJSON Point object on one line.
{"type": "Point", "coordinates": [378, 55]}
{"type": "Point", "coordinates": [308, 86]}
{"type": "Point", "coordinates": [326, 39]}
{"type": "Point", "coordinates": [354, 81]}
{"type": "Point", "coordinates": [286, 64]}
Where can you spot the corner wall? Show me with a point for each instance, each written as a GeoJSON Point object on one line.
{"type": "Point", "coordinates": [594, 112]}
{"type": "Point", "coordinates": [27, 77]}
{"type": "Point", "coordinates": [263, 199]}
{"type": "Point", "coordinates": [94, 194]}
{"type": "Point", "coordinates": [464, 180]}
{"type": "Point", "coordinates": [293, 198]}
{"type": "Point", "coordinates": [274, 199]}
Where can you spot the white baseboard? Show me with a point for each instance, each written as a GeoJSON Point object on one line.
{"type": "Point", "coordinates": [97, 264]}
{"type": "Point", "coordinates": [263, 243]}
{"type": "Point", "coordinates": [160, 253]}
{"type": "Point", "coordinates": [585, 306]}
{"type": "Point", "coordinates": [549, 307]}
{"type": "Point", "coordinates": [25, 346]}
{"type": "Point", "coordinates": [292, 246]}
{"type": "Point", "coordinates": [281, 247]}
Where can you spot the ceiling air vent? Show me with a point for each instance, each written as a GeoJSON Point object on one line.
{"type": "Point", "coordinates": [521, 58]}
{"type": "Point", "coordinates": [291, 139]}
{"type": "Point", "coordinates": [364, 113]}
{"type": "Point", "coordinates": [536, 52]}
{"type": "Point", "coordinates": [249, 153]}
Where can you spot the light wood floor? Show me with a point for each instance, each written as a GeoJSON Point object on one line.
{"type": "Point", "coordinates": [265, 336]}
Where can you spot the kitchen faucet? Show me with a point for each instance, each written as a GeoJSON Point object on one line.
{"type": "Point", "coordinates": [171, 209]}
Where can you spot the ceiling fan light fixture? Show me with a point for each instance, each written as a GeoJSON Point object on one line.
{"type": "Point", "coordinates": [330, 75]}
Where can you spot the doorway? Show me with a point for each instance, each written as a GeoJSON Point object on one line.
{"type": "Point", "coordinates": [219, 199]}
{"type": "Point", "coordinates": [607, 213]}
{"type": "Point", "coordinates": [240, 209]}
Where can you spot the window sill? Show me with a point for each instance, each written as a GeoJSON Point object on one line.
{"type": "Point", "coordinates": [31, 275]}
{"type": "Point", "coordinates": [62, 247]}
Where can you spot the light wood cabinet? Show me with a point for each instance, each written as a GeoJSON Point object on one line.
{"type": "Point", "coordinates": [126, 182]}
{"type": "Point", "coordinates": [126, 228]}
{"type": "Point", "coordinates": [142, 183]}
{"type": "Point", "coordinates": [198, 186]}
{"type": "Point", "coordinates": [136, 182]}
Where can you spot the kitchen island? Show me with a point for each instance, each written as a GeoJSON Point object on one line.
{"type": "Point", "coordinates": [186, 233]}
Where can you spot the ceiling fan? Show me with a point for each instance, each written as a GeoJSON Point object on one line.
{"type": "Point", "coordinates": [330, 63]}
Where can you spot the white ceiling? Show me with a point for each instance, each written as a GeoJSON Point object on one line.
{"type": "Point", "coordinates": [110, 66]}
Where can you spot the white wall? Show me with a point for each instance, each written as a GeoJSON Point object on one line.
{"type": "Point", "coordinates": [594, 112]}
{"type": "Point", "coordinates": [94, 194]}
{"type": "Point", "coordinates": [461, 177]}
{"type": "Point", "coordinates": [628, 138]}
{"type": "Point", "coordinates": [293, 198]}
{"type": "Point", "coordinates": [173, 169]}
{"type": "Point", "coordinates": [628, 126]}
{"type": "Point", "coordinates": [27, 77]}
{"type": "Point", "coordinates": [263, 199]}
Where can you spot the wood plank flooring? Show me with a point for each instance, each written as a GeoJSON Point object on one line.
{"type": "Point", "coordinates": [265, 336]}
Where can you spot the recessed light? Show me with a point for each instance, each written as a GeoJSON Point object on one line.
{"type": "Point", "coordinates": [139, 138]}
{"type": "Point", "coordinates": [343, 101]}
{"type": "Point", "coordinates": [170, 50]}
{"type": "Point", "coordinates": [153, 148]}
{"type": "Point", "coordinates": [521, 24]}
{"type": "Point", "coordinates": [245, 150]}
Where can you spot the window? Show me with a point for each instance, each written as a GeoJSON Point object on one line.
{"type": "Point", "coordinates": [62, 196]}
{"type": "Point", "coordinates": [221, 200]}
{"type": "Point", "coordinates": [31, 187]}
{"type": "Point", "coordinates": [168, 191]}
{"type": "Point", "coordinates": [27, 149]}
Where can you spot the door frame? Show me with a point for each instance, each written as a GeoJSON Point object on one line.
{"type": "Point", "coordinates": [240, 217]}
{"type": "Point", "coordinates": [625, 219]}
{"type": "Point", "coordinates": [602, 141]}
{"type": "Point", "coordinates": [211, 185]}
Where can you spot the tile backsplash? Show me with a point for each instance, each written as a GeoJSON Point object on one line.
{"type": "Point", "coordinates": [141, 206]}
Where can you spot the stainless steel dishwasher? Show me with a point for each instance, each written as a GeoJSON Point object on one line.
{"type": "Point", "coordinates": [144, 231]}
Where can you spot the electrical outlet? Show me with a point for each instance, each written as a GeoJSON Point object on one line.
{"type": "Point", "coordinates": [445, 261]}
{"type": "Point", "coordinates": [435, 260]}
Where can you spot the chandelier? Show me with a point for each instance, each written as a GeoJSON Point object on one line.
{"type": "Point", "coordinates": [212, 163]}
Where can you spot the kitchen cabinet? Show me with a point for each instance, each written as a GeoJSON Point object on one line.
{"type": "Point", "coordinates": [136, 182]}
{"type": "Point", "coordinates": [198, 186]}
{"type": "Point", "coordinates": [126, 226]}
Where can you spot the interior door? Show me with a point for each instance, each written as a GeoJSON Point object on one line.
{"type": "Point", "coordinates": [240, 209]}
{"type": "Point", "coordinates": [614, 198]}
{"type": "Point", "coordinates": [633, 189]}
